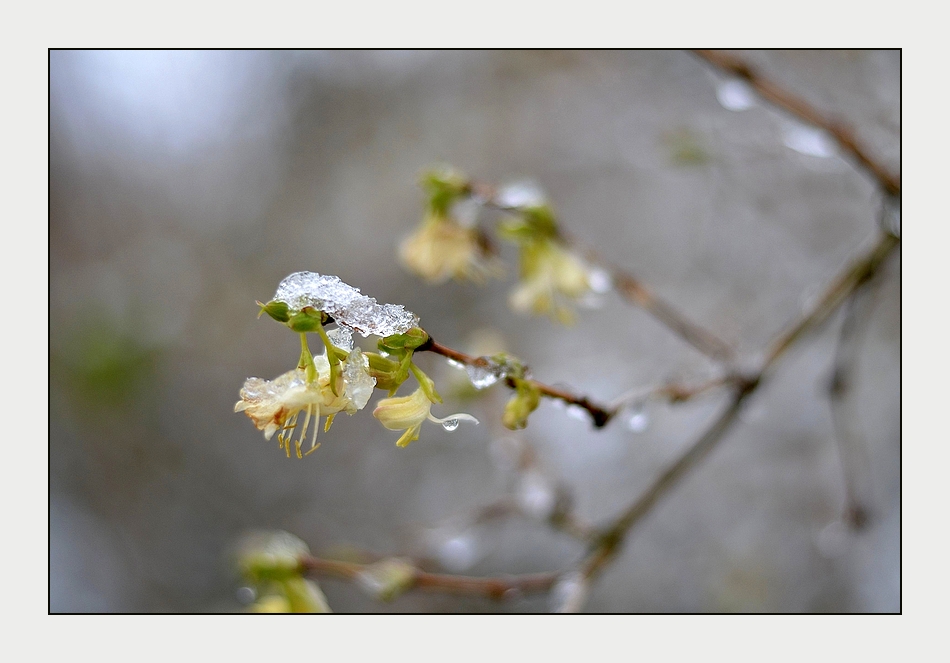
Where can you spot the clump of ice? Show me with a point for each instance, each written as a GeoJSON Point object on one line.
{"type": "Point", "coordinates": [486, 373]}
{"type": "Point", "coordinates": [344, 303]}
{"type": "Point", "coordinates": [359, 383]}
{"type": "Point", "coordinates": [341, 337]}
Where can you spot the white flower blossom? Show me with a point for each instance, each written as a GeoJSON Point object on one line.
{"type": "Point", "coordinates": [275, 405]}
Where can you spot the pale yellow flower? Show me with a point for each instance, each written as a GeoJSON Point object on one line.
{"type": "Point", "coordinates": [552, 278]}
{"type": "Point", "coordinates": [406, 413]}
{"type": "Point", "coordinates": [275, 405]}
{"type": "Point", "coordinates": [442, 249]}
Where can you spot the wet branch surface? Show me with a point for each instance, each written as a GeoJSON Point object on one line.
{"type": "Point", "coordinates": [801, 109]}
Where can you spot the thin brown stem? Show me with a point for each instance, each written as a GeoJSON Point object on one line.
{"type": "Point", "coordinates": [494, 588]}
{"type": "Point", "coordinates": [611, 539]}
{"type": "Point", "coordinates": [801, 109]}
{"type": "Point", "coordinates": [851, 278]}
{"type": "Point", "coordinates": [599, 414]}
{"type": "Point", "coordinates": [854, 465]}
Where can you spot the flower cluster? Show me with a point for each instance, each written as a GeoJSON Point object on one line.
{"type": "Point", "coordinates": [343, 377]}
{"type": "Point", "coordinates": [275, 405]}
{"type": "Point", "coordinates": [443, 247]}
{"type": "Point", "coordinates": [552, 277]}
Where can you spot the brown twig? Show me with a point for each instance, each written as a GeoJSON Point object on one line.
{"type": "Point", "coordinates": [801, 109]}
{"type": "Point", "coordinates": [850, 450]}
{"type": "Point", "coordinates": [494, 588]}
{"type": "Point", "coordinates": [600, 414]}
{"type": "Point", "coordinates": [851, 278]}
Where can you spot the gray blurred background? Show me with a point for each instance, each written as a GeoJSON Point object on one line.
{"type": "Point", "coordinates": [186, 185]}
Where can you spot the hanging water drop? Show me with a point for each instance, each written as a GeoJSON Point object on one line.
{"type": "Point", "coordinates": [450, 424]}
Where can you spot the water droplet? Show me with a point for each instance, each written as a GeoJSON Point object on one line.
{"type": "Point", "coordinates": [808, 140]}
{"type": "Point", "coordinates": [246, 595]}
{"type": "Point", "coordinates": [569, 594]}
{"type": "Point", "coordinates": [536, 494]}
{"type": "Point", "coordinates": [576, 412]}
{"type": "Point", "coordinates": [450, 424]}
{"type": "Point", "coordinates": [521, 194]}
{"type": "Point", "coordinates": [892, 215]}
{"type": "Point", "coordinates": [456, 364]}
{"type": "Point", "coordinates": [600, 280]}
{"type": "Point", "coordinates": [458, 553]}
{"type": "Point", "coordinates": [735, 95]}
{"type": "Point", "coordinates": [638, 420]}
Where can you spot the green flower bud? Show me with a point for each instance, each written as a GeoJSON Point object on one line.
{"type": "Point", "coordinates": [271, 556]}
{"type": "Point", "coordinates": [279, 311]}
{"type": "Point", "coordinates": [308, 319]}
{"type": "Point", "coordinates": [525, 401]}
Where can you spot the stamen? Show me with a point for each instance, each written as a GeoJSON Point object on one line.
{"type": "Point", "coordinates": [316, 427]}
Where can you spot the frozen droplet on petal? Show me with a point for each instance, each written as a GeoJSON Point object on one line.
{"type": "Point", "coordinates": [735, 95]}
{"type": "Point", "coordinates": [569, 593]}
{"type": "Point", "coordinates": [344, 304]}
{"type": "Point", "coordinates": [808, 140]}
{"type": "Point", "coordinates": [359, 383]}
{"type": "Point", "coordinates": [341, 337]}
{"type": "Point", "coordinates": [450, 424]}
{"type": "Point", "coordinates": [638, 420]}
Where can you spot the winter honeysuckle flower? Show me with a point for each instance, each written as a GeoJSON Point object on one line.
{"type": "Point", "coordinates": [275, 405]}
{"type": "Point", "coordinates": [551, 278]}
{"type": "Point", "coordinates": [442, 249]}
{"type": "Point", "coordinates": [407, 413]}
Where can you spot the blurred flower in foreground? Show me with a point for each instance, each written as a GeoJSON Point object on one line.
{"type": "Point", "coordinates": [272, 562]}
{"type": "Point", "coordinates": [276, 404]}
{"type": "Point", "coordinates": [407, 413]}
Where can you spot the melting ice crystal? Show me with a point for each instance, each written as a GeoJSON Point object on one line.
{"type": "Point", "coordinates": [344, 303]}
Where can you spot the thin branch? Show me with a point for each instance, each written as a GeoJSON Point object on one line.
{"type": "Point", "coordinates": [850, 279]}
{"type": "Point", "coordinates": [494, 588]}
{"type": "Point", "coordinates": [610, 541]}
{"type": "Point", "coordinates": [600, 413]}
{"type": "Point", "coordinates": [801, 109]}
{"type": "Point", "coordinates": [850, 449]}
